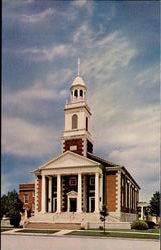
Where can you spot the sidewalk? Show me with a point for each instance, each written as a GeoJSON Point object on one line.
{"type": "Point", "coordinates": [17, 231]}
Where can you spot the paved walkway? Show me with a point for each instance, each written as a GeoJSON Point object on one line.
{"type": "Point", "coordinates": [17, 231]}
{"type": "Point", "coordinates": [65, 231]}
{"type": "Point", "coordinates": [15, 242]}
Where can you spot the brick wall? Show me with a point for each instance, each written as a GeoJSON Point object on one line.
{"type": "Point", "coordinates": [29, 190]}
{"type": "Point", "coordinates": [73, 142]}
{"type": "Point", "coordinates": [128, 196]}
{"type": "Point", "coordinates": [39, 192]}
{"type": "Point", "coordinates": [111, 191]}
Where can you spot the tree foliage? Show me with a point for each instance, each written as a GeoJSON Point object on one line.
{"type": "Point", "coordinates": [11, 206]}
{"type": "Point", "coordinates": [155, 204]}
{"type": "Point", "coordinates": [103, 215]}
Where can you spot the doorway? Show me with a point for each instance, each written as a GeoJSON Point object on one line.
{"type": "Point", "coordinates": [73, 204]}
{"type": "Point", "coordinates": [54, 204]}
{"type": "Point", "coordinates": [91, 204]}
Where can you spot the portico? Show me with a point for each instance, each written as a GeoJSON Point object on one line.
{"type": "Point", "coordinates": [70, 189]}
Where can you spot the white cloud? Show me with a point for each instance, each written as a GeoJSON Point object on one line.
{"type": "Point", "coordinates": [6, 184]}
{"type": "Point", "coordinates": [38, 17]}
{"type": "Point", "coordinates": [148, 77]}
{"type": "Point", "coordinates": [52, 90]}
{"type": "Point", "coordinates": [23, 138]}
{"type": "Point", "coordinates": [79, 3]}
{"type": "Point", "coordinates": [46, 53]}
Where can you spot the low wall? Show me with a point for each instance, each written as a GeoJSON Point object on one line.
{"type": "Point", "coordinates": [128, 217]}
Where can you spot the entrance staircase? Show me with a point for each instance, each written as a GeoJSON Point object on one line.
{"type": "Point", "coordinates": [67, 220]}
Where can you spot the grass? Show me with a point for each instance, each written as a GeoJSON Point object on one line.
{"type": "Point", "coordinates": [44, 231]}
{"type": "Point", "coordinates": [131, 230]}
{"type": "Point", "coordinates": [117, 233]}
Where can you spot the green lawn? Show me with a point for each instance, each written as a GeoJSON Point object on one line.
{"type": "Point", "coordinates": [130, 230]}
{"type": "Point", "coordinates": [117, 233]}
{"type": "Point", "coordinates": [44, 231]}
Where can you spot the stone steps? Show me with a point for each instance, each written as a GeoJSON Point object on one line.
{"type": "Point", "coordinates": [43, 225]}
{"type": "Point", "coordinates": [68, 217]}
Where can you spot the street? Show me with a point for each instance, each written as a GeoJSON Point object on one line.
{"type": "Point", "coordinates": [29, 242]}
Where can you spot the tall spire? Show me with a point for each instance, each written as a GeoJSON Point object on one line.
{"type": "Point", "coordinates": [78, 65]}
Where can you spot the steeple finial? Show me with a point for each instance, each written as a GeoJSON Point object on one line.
{"type": "Point", "coordinates": [78, 65]}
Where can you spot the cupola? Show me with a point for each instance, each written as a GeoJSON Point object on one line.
{"type": "Point", "coordinates": [78, 90]}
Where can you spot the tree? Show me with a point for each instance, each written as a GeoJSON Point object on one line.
{"type": "Point", "coordinates": [11, 206]}
{"type": "Point", "coordinates": [155, 204]}
{"type": "Point", "coordinates": [103, 215]}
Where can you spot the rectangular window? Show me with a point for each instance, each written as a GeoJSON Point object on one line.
{"type": "Point", "coordinates": [26, 198]}
{"type": "Point", "coordinates": [73, 181]}
{"type": "Point", "coordinates": [92, 181]}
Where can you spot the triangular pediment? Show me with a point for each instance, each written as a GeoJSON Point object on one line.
{"type": "Point", "coordinates": [72, 194]}
{"type": "Point", "coordinates": [69, 159]}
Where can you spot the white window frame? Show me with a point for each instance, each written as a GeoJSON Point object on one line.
{"type": "Point", "coordinates": [90, 201]}
{"type": "Point", "coordinates": [26, 196]}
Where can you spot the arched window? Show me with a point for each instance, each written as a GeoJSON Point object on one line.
{"type": "Point", "coordinates": [76, 93]}
{"type": "Point", "coordinates": [86, 123]}
{"type": "Point", "coordinates": [74, 121]}
{"type": "Point", "coordinates": [81, 92]}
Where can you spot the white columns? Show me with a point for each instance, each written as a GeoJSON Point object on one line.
{"type": "Point", "coordinates": [96, 192]}
{"type": "Point", "coordinates": [58, 193]}
{"type": "Point", "coordinates": [43, 194]}
{"type": "Point", "coordinates": [36, 194]}
{"type": "Point", "coordinates": [101, 191]}
{"type": "Point", "coordinates": [118, 192]}
{"type": "Point", "coordinates": [129, 197]}
{"type": "Point", "coordinates": [79, 199]}
{"type": "Point", "coordinates": [50, 195]}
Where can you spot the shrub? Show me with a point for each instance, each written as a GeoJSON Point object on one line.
{"type": "Point", "coordinates": [139, 224]}
{"type": "Point", "coordinates": [15, 219]}
{"type": "Point", "coordinates": [151, 224]}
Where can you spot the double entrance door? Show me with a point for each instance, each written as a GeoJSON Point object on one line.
{"type": "Point", "coordinates": [73, 204]}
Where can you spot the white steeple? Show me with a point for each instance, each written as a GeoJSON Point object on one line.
{"type": "Point", "coordinates": [76, 136]}
{"type": "Point", "coordinates": [78, 65]}
{"type": "Point", "coordinates": [78, 88]}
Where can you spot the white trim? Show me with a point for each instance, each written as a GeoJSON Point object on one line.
{"type": "Point", "coordinates": [36, 194]}
{"type": "Point", "coordinates": [118, 184]}
{"type": "Point", "coordinates": [70, 153]}
{"type": "Point", "coordinates": [72, 170]}
{"type": "Point", "coordinates": [43, 194]}
{"type": "Point", "coordinates": [79, 200]}
{"type": "Point", "coordinates": [50, 194]}
{"type": "Point", "coordinates": [90, 200]}
{"type": "Point", "coordinates": [58, 193]}
{"type": "Point", "coordinates": [97, 186]}
{"type": "Point", "coordinates": [74, 195]}
{"type": "Point", "coordinates": [54, 204]}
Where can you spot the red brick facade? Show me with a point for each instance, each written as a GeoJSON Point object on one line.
{"type": "Point", "coordinates": [39, 193]}
{"type": "Point", "coordinates": [27, 196]}
{"type": "Point", "coordinates": [129, 196]}
{"type": "Point", "coordinates": [111, 191]}
{"type": "Point", "coordinates": [74, 142]}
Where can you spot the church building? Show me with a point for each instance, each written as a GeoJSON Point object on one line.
{"type": "Point", "coordinates": [72, 187]}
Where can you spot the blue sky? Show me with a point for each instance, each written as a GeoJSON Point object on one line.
{"type": "Point", "coordinates": [118, 44]}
